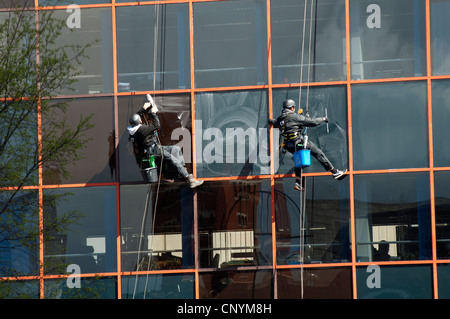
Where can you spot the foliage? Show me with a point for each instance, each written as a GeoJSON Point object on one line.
{"type": "Point", "coordinates": [33, 66]}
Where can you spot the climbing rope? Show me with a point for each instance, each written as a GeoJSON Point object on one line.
{"type": "Point", "coordinates": [302, 212]}
{"type": "Point", "coordinates": [144, 215]}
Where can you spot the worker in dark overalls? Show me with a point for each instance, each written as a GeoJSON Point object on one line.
{"type": "Point", "coordinates": [292, 126]}
{"type": "Point", "coordinates": [146, 144]}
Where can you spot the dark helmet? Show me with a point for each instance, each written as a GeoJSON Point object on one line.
{"type": "Point", "coordinates": [287, 104]}
{"type": "Point", "coordinates": [135, 119]}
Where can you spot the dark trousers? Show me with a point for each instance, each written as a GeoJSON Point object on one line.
{"type": "Point", "coordinates": [315, 151]}
{"type": "Point", "coordinates": [174, 155]}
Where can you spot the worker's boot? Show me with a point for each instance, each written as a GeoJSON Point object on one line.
{"type": "Point", "coordinates": [193, 182]}
{"type": "Point", "coordinates": [298, 186]}
{"type": "Point", "coordinates": [339, 174]}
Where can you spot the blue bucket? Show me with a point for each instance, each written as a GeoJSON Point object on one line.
{"type": "Point", "coordinates": [302, 158]}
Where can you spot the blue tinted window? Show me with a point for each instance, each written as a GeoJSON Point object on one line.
{"type": "Point", "coordinates": [394, 282]}
{"type": "Point", "coordinates": [89, 236]}
{"type": "Point", "coordinates": [387, 38]}
{"type": "Point", "coordinates": [323, 52]}
{"type": "Point", "coordinates": [441, 118]}
{"type": "Point", "coordinates": [230, 41]}
{"type": "Point", "coordinates": [389, 125]}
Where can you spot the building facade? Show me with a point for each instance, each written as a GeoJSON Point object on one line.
{"type": "Point", "coordinates": [219, 70]}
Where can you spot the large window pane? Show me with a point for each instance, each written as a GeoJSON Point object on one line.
{"type": "Point", "coordinates": [326, 228]}
{"type": "Point", "coordinates": [232, 133]}
{"type": "Point", "coordinates": [19, 233]}
{"type": "Point", "coordinates": [392, 217]}
{"type": "Point", "coordinates": [87, 237]}
{"type": "Point", "coordinates": [442, 200]}
{"type": "Point", "coordinates": [176, 126]}
{"type": "Point", "coordinates": [323, 52]}
{"type": "Point", "coordinates": [161, 286]}
{"type": "Point", "coordinates": [390, 125]}
{"type": "Point", "coordinates": [387, 38]}
{"type": "Point", "coordinates": [136, 47]}
{"type": "Point", "coordinates": [234, 223]}
{"type": "Point", "coordinates": [97, 163]}
{"type": "Point", "coordinates": [89, 288]}
{"type": "Point", "coordinates": [19, 149]}
{"type": "Point", "coordinates": [440, 36]}
{"type": "Point", "coordinates": [441, 118]}
{"type": "Point", "coordinates": [318, 283]}
{"type": "Point", "coordinates": [394, 282]}
{"type": "Point", "coordinates": [230, 44]}
{"type": "Point", "coordinates": [156, 227]}
{"type": "Point", "coordinates": [96, 71]}
{"type": "Point", "coordinates": [236, 284]}
{"type": "Point", "coordinates": [19, 289]}
{"type": "Point", "coordinates": [331, 138]}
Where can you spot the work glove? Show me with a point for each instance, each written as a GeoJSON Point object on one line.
{"type": "Point", "coordinates": [271, 121]}
{"type": "Point", "coordinates": [325, 119]}
{"type": "Point", "coordinates": [150, 102]}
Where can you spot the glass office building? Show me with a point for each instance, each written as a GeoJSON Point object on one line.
{"type": "Point", "coordinates": [219, 70]}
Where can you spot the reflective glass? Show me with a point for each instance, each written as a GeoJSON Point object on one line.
{"type": "Point", "coordinates": [19, 143]}
{"type": "Point", "coordinates": [441, 118]}
{"type": "Point", "coordinates": [387, 39]}
{"type": "Point", "coordinates": [95, 27]}
{"type": "Point", "coordinates": [323, 53]}
{"type": "Point", "coordinates": [236, 284]}
{"type": "Point", "coordinates": [86, 288]}
{"type": "Point", "coordinates": [234, 224]}
{"type": "Point", "coordinates": [98, 161]}
{"type": "Point", "coordinates": [318, 283]}
{"type": "Point", "coordinates": [440, 36]}
{"type": "Point", "coordinates": [17, 3]}
{"type": "Point", "coordinates": [80, 229]}
{"type": "Point", "coordinates": [328, 101]}
{"type": "Point", "coordinates": [161, 286]}
{"type": "Point", "coordinates": [19, 233]}
{"type": "Point", "coordinates": [390, 125]}
{"type": "Point", "coordinates": [442, 207]}
{"type": "Point", "coordinates": [156, 226]}
{"type": "Point", "coordinates": [443, 276]}
{"type": "Point", "coordinates": [232, 133]}
{"type": "Point", "coordinates": [392, 217]}
{"type": "Point", "coordinates": [394, 282]}
{"type": "Point", "coordinates": [326, 227]}
{"type": "Point", "coordinates": [136, 47]}
{"type": "Point", "coordinates": [19, 289]}
{"type": "Point", "coordinates": [176, 127]}
{"type": "Point", "coordinates": [230, 43]}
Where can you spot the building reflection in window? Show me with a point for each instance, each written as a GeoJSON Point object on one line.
{"type": "Point", "coordinates": [326, 226]}
{"type": "Point", "coordinates": [167, 236]}
{"type": "Point", "coordinates": [236, 284]}
{"type": "Point", "coordinates": [234, 220]}
{"type": "Point", "coordinates": [393, 209]}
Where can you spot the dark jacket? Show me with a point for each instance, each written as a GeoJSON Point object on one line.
{"type": "Point", "coordinates": [143, 136]}
{"type": "Point", "coordinates": [291, 123]}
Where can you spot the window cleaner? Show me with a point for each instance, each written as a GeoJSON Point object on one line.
{"type": "Point", "coordinates": [293, 127]}
{"type": "Point", "coordinates": [146, 144]}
